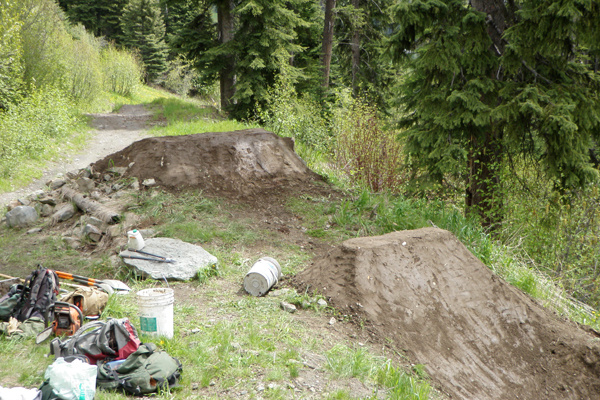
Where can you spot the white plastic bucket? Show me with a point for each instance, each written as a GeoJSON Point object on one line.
{"type": "Point", "coordinates": [263, 275]}
{"type": "Point", "coordinates": [156, 311]}
{"type": "Point", "coordinates": [135, 240]}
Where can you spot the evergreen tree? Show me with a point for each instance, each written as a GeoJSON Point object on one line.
{"type": "Point", "coordinates": [264, 43]}
{"type": "Point", "coordinates": [101, 17]}
{"type": "Point", "coordinates": [143, 28]}
{"type": "Point", "coordinates": [361, 30]}
{"type": "Point", "coordinates": [491, 81]}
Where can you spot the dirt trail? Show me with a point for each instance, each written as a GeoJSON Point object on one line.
{"type": "Point", "coordinates": [112, 132]}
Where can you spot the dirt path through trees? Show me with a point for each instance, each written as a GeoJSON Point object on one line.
{"type": "Point", "coordinates": [112, 132]}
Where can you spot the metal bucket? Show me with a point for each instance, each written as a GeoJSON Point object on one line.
{"type": "Point", "coordinates": [263, 275]}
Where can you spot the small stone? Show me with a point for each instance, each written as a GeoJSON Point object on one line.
{"type": "Point", "coordinates": [243, 392]}
{"type": "Point", "coordinates": [332, 321]}
{"type": "Point", "coordinates": [195, 386]}
{"type": "Point", "coordinates": [47, 200]}
{"type": "Point", "coordinates": [64, 213]}
{"type": "Point", "coordinates": [46, 210]}
{"type": "Point", "coordinates": [212, 383]}
{"type": "Point", "coordinates": [86, 184]}
{"type": "Point", "coordinates": [37, 194]}
{"type": "Point", "coordinates": [73, 243]}
{"type": "Point", "coordinates": [260, 388]}
{"type": "Point", "coordinates": [149, 182]}
{"type": "Point", "coordinates": [135, 185]}
{"type": "Point", "coordinates": [288, 307]}
{"type": "Point", "coordinates": [34, 230]}
{"type": "Point", "coordinates": [96, 195]}
{"type": "Point", "coordinates": [114, 231]}
{"type": "Point", "coordinates": [96, 222]}
{"type": "Point", "coordinates": [107, 177]}
{"type": "Point", "coordinates": [117, 186]}
{"type": "Point", "coordinates": [321, 303]}
{"type": "Point", "coordinates": [93, 233]}
{"type": "Point", "coordinates": [118, 170]}
{"type": "Point", "coordinates": [272, 386]}
{"type": "Point", "coordinates": [57, 184]}
{"type": "Point", "coordinates": [195, 330]}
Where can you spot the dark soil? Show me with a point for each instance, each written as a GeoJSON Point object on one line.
{"type": "Point", "coordinates": [478, 336]}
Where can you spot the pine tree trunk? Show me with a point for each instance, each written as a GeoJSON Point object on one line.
{"type": "Point", "coordinates": [328, 40]}
{"type": "Point", "coordinates": [355, 50]}
{"type": "Point", "coordinates": [484, 194]}
{"type": "Point", "coordinates": [226, 76]}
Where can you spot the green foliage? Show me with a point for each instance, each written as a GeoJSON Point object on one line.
{"type": "Point", "coordinates": [11, 69]}
{"type": "Point", "coordinates": [472, 104]}
{"type": "Point", "coordinates": [100, 17]}
{"type": "Point", "coordinates": [144, 28]}
{"type": "Point", "coordinates": [85, 74]}
{"type": "Point", "coordinates": [368, 153]}
{"type": "Point", "coordinates": [263, 43]}
{"type": "Point", "coordinates": [30, 130]}
{"type": "Point", "coordinates": [121, 70]}
{"type": "Point", "coordinates": [289, 115]}
{"type": "Point", "coordinates": [402, 386]}
{"type": "Point", "coordinates": [179, 78]}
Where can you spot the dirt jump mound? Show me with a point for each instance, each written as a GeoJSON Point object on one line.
{"type": "Point", "coordinates": [245, 163]}
{"type": "Point", "coordinates": [478, 337]}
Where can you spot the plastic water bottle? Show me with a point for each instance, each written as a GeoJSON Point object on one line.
{"type": "Point", "coordinates": [81, 392]}
{"type": "Point", "coordinates": [136, 241]}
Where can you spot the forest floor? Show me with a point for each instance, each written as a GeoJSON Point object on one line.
{"type": "Point", "coordinates": [418, 295]}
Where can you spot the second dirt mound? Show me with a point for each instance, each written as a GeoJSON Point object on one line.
{"type": "Point", "coordinates": [245, 163]}
{"type": "Point", "coordinates": [478, 336]}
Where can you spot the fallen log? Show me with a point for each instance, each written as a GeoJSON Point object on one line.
{"type": "Point", "coordinates": [90, 206]}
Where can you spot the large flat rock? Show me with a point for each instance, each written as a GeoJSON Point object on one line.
{"type": "Point", "coordinates": [188, 259]}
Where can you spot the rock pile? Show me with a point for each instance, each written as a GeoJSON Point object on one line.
{"type": "Point", "coordinates": [83, 201]}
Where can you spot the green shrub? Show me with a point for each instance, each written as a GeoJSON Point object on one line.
{"type": "Point", "coordinates": [121, 70]}
{"type": "Point", "coordinates": [369, 154]}
{"type": "Point", "coordinates": [84, 73]}
{"type": "Point", "coordinates": [11, 68]}
{"type": "Point", "coordinates": [179, 78]}
{"type": "Point", "coordinates": [29, 130]}
{"type": "Point", "coordinates": [300, 117]}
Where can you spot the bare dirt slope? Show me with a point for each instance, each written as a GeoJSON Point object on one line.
{"type": "Point", "coordinates": [251, 163]}
{"type": "Point", "coordinates": [479, 337]}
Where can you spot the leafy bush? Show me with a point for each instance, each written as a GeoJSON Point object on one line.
{"type": "Point", "coordinates": [27, 131]}
{"type": "Point", "coordinates": [10, 55]}
{"type": "Point", "coordinates": [122, 72]}
{"type": "Point", "coordinates": [560, 234]}
{"type": "Point", "coordinates": [300, 117]}
{"type": "Point", "coordinates": [84, 73]}
{"type": "Point", "coordinates": [179, 78]}
{"type": "Point", "coordinates": [369, 154]}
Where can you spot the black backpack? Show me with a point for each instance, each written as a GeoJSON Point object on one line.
{"type": "Point", "coordinates": [33, 299]}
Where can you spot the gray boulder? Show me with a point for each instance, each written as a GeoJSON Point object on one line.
{"type": "Point", "coordinates": [21, 216]}
{"type": "Point", "coordinates": [188, 259]}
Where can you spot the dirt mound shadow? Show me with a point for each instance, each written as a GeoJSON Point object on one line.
{"type": "Point", "coordinates": [243, 163]}
{"type": "Point", "coordinates": [478, 336]}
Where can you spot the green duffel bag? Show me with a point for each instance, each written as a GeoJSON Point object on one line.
{"type": "Point", "coordinates": [10, 301]}
{"type": "Point", "coordinates": [147, 370]}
